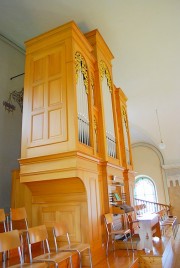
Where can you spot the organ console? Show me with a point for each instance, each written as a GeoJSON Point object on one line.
{"type": "Point", "coordinates": [75, 134]}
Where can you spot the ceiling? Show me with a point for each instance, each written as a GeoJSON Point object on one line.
{"type": "Point", "coordinates": [144, 37]}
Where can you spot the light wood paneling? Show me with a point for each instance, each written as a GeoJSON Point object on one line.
{"type": "Point", "coordinates": [48, 113]}
{"type": "Point", "coordinates": [37, 127]}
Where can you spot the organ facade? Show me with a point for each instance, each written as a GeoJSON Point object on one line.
{"type": "Point", "coordinates": [75, 136]}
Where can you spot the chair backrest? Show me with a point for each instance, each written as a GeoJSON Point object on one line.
{"type": "Point", "coordinates": [10, 240]}
{"type": "Point", "coordinates": [130, 222]}
{"type": "Point", "coordinates": [108, 218]}
{"type": "Point", "coordinates": [35, 235]}
{"type": "Point", "coordinates": [60, 229]}
{"type": "Point", "coordinates": [17, 215]}
{"type": "Point", "coordinates": [3, 218]}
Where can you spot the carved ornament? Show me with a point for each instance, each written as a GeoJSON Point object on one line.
{"type": "Point", "coordinates": [105, 72]}
{"type": "Point", "coordinates": [80, 65]}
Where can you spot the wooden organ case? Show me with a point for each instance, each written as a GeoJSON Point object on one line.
{"type": "Point", "coordinates": [73, 134]}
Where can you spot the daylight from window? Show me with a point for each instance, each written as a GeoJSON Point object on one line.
{"type": "Point", "coordinates": [145, 189]}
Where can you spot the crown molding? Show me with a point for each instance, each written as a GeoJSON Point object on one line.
{"type": "Point", "coordinates": [11, 43]}
{"type": "Point", "coordinates": [171, 166]}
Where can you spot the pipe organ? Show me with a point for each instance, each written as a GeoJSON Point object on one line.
{"type": "Point", "coordinates": [75, 134]}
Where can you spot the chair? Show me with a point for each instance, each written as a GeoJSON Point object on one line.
{"type": "Point", "coordinates": [39, 234]}
{"type": "Point", "coordinates": [112, 232]}
{"type": "Point", "coordinates": [166, 221]}
{"type": "Point", "coordinates": [61, 230]}
{"type": "Point", "coordinates": [11, 240]}
{"type": "Point", "coordinates": [133, 224]}
{"type": "Point", "coordinates": [3, 219]}
{"type": "Point", "coordinates": [19, 221]}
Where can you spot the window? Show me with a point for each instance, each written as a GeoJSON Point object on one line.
{"type": "Point", "coordinates": [145, 189]}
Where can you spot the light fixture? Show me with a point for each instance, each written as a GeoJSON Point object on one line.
{"type": "Point", "coordinates": [14, 96]}
{"type": "Point", "coordinates": [162, 145]}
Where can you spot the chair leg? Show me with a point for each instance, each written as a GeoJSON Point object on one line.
{"type": "Point", "coordinates": [90, 258]}
{"type": "Point", "coordinates": [131, 242]}
{"type": "Point", "coordinates": [22, 246]}
{"type": "Point", "coordinates": [80, 259]}
{"type": "Point", "coordinates": [107, 246]}
{"type": "Point", "coordinates": [126, 244]}
{"type": "Point", "coordinates": [71, 263]}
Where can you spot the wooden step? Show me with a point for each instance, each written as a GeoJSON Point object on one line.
{"type": "Point", "coordinates": [161, 256]}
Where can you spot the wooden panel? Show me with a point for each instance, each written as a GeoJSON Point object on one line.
{"type": "Point", "coordinates": [37, 127]}
{"type": "Point", "coordinates": [20, 195]}
{"type": "Point", "coordinates": [38, 69]}
{"type": "Point", "coordinates": [63, 213]}
{"type": "Point", "coordinates": [94, 210]}
{"type": "Point", "coordinates": [48, 95]}
{"type": "Point", "coordinates": [55, 63]}
{"type": "Point", "coordinates": [38, 97]}
{"type": "Point", "coordinates": [55, 92]}
{"type": "Point", "coordinates": [55, 123]}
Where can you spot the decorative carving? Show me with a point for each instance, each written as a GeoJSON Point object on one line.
{"type": "Point", "coordinates": [105, 72]}
{"type": "Point", "coordinates": [80, 65]}
{"type": "Point", "coordinates": [92, 89]}
{"type": "Point", "coordinates": [95, 125]}
{"type": "Point", "coordinates": [96, 134]}
{"type": "Point", "coordinates": [124, 115]}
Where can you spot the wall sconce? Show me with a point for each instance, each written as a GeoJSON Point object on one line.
{"type": "Point", "coordinates": [14, 96]}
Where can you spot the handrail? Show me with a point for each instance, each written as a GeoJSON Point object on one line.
{"type": "Point", "coordinates": [150, 206]}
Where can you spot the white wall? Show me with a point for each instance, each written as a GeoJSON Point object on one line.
{"type": "Point", "coordinates": [148, 161]}
{"type": "Point", "coordinates": [11, 64]}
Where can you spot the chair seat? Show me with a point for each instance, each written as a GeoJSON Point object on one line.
{"type": "Point", "coordinates": [121, 232]}
{"type": "Point", "coordinates": [75, 247]}
{"type": "Point", "coordinates": [53, 257]}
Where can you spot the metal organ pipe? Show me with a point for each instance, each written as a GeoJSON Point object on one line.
{"type": "Point", "coordinates": [83, 112]}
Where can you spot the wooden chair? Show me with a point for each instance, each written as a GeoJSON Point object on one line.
{"type": "Point", "coordinates": [39, 234]}
{"type": "Point", "coordinates": [60, 230]}
{"type": "Point", "coordinates": [132, 223]}
{"type": "Point", "coordinates": [112, 232]}
{"type": "Point", "coordinates": [3, 219]}
{"type": "Point", "coordinates": [19, 221]}
{"type": "Point", "coordinates": [166, 221]}
{"type": "Point", "coordinates": [11, 240]}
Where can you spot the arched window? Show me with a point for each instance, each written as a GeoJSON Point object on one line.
{"type": "Point", "coordinates": [145, 189]}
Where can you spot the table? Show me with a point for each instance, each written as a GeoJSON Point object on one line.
{"type": "Point", "coordinates": [149, 227]}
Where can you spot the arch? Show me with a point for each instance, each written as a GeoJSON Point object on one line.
{"type": "Point", "coordinates": [143, 147]}
{"type": "Point", "coordinates": [145, 188]}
